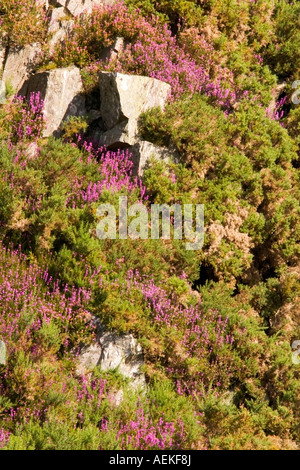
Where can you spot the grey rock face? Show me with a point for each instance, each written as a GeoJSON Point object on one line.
{"type": "Point", "coordinates": [89, 358]}
{"type": "Point", "coordinates": [62, 92]}
{"type": "Point", "coordinates": [123, 99]}
{"type": "Point", "coordinates": [58, 3]}
{"type": "Point", "coordinates": [112, 351]}
{"type": "Point", "coordinates": [43, 3]}
{"type": "Point", "coordinates": [124, 353]}
{"type": "Point", "coordinates": [76, 7]}
{"type": "Point", "coordinates": [20, 63]}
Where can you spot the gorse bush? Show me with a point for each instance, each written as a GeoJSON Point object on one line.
{"type": "Point", "coordinates": [22, 22]}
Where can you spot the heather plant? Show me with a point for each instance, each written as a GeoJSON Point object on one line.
{"type": "Point", "coordinates": [2, 352]}
{"type": "Point", "coordinates": [39, 321]}
{"type": "Point", "coordinates": [233, 21]}
{"type": "Point", "coordinates": [74, 127]}
{"type": "Point", "coordinates": [194, 345]}
{"type": "Point", "coordinates": [190, 60]}
{"type": "Point", "coordinates": [93, 422]}
{"type": "Point", "coordinates": [229, 35]}
{"type": "Point", "coordinates": [206, 352]}
{"type": "Point", "coordinates": [292, 123]}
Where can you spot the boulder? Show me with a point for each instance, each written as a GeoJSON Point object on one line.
{"type": "Point", "coordinates": [43, 3]}
{"type": "Point", "coordinates": [112, 52]}
{"type": "Point", "coordinates": [62, 92]}
{"type": "Point", "coordinates": [123, 99]}
{"type": "Point", "coordinates": [143, 151]}
{"type": "Point", "coordinates": [20, 63]}
{"type": "Point", "coordinates": [112, 351]}
{"type": "Point", "coordinates": [117, 137]}
{"type": "Point", "coordinates": [88, 358]}
{"type": "Point", "coordinates": [77, 7]}
{"type": "Point", "coordinates": [59, 27]}
{"type": "Point", "coordinates": [122, 353]}
{"type": "Point", "coordinates": [3, 353]}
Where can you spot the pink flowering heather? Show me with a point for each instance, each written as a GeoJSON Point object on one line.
{"type": "Point", "coordinates": [30, 300]}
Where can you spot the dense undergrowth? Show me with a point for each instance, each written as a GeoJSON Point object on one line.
{"type": "Point", "coordinates": [216, 325]}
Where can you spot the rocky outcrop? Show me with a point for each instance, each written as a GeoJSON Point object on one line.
{"type": "Point", "coordinates": [2, 54]}
{"type": "Point", "coordinates": [61, 22]}
{"type": "Point", "coordinates": [143, 151]}
{"type": "Point", "coordinates": [123, 99]}
{"type": "Point", "coordinates": [112, 52]}
{"type": "Point", "coordinates": [112, 351]}
{"type": "Point", "coordinates": [62, 92]}
{"type": "Point", "coordinates": [56, 17]}
{"type": "Point", "coordinates": [20, 63]}
{"type": "Point", "coordinates": [122, 353]}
